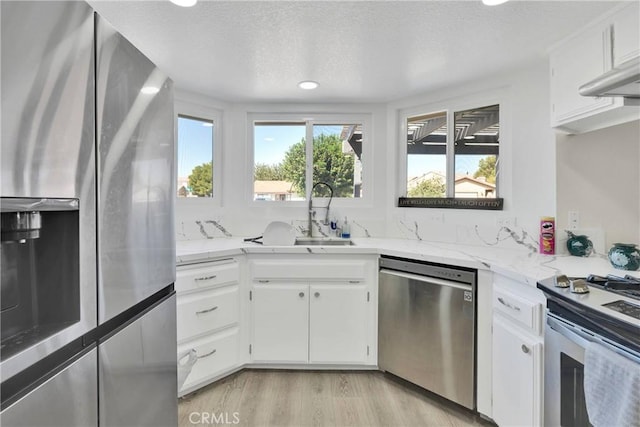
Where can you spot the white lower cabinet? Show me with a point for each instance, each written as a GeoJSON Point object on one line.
{"type": "Point", "coordinates": [280, 323]}
{"type": "Point", "coordinates": [208, 321]}
{"type": "Point", "coordinates": [338, 323]}
{"type": "Point", "coordinates": [215, 353]}
{"type": "Point", "coordinates": [517, 353]}
{"type": "Point", "coordinates": [310, 323]}
{"type": "Point", "coordinates": [517, 365]}
{"type": "Point", "coordinates": [319, 312]}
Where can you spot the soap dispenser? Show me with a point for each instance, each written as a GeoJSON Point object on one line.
{"type": "Point", "coordinates": [346, 229]}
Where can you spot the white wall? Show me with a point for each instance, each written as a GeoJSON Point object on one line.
{"type": "Point", "coordinates": [598, 176]}
{"type": "Point", "coordinates": [527, 153]}
{"type": "Point", "coordinates": [527, 179]}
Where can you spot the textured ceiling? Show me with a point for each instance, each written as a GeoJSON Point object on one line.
{"type": "Point", "coordinates": [359, 51]}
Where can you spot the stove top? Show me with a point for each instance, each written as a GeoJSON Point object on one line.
{"type": "Point", "coordinates": [609, 307]}
{"type": "Point", "coordinates": [628, 285]}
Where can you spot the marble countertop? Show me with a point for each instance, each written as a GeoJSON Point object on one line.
{"type": "Point", "coordinates": [521, 265]}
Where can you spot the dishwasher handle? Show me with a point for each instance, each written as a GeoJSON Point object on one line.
{"type": "Point", "coordinates": [427, 279]}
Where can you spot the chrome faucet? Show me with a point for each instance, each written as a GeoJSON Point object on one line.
{"type": "Point", "coordinates": [326, 219]}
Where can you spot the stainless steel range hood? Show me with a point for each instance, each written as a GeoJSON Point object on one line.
{"type": "Point", "coordinates": [621, 81]}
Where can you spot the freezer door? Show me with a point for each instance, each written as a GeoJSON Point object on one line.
{"type": "Point", "coordinates": [48, 151]}
{"type": "Point", "coordinates": [136, 178]}
{"type": "Point", "coordinates": [138, 371]}
{"type": "Point", "coordinates": [67, 399]}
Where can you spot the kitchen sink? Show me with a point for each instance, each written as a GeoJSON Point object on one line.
{"type": "Point", "coordinates": [323, 241]}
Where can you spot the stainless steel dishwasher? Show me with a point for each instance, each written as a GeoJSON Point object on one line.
{"type": "Point", "coordinates": [426, 332]}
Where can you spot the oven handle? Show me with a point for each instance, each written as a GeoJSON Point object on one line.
{"type": "Point", "coordinates": [581, 337]}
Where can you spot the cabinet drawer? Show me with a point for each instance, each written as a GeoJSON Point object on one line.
{"type": "Point", "coordinates": [200, 276]}
{"type": "Point", "coordinates": [527, 313]}
{"type": "Point", "coordinates": [216, 354]}
{"type": "Point", "coordinates": [205, 311]}
{"type": "Point", "coordinates": [310, 270]}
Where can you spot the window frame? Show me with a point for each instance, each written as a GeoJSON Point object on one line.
{"type": "Point", "coordinates": [309, 120]}
{"type": "Point", "coordinates": [451, 107]}
{"type": "Point", "coordinates": [200, 112]}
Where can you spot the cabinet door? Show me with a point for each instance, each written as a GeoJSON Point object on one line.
{"type": "Point", "coordinates": [517, 375]}
{"type": "Point", "coordinates": [280, 323]}
{"type": "Point", "coordinates": [338, 323]}
{"type": "Point", "coordinates": [626, 34]}
{"type": "Point", "coordinates": [576, 62]}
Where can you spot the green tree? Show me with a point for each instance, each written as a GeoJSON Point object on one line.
{"type": "Point", "coordinates": [265, 172]}
{"type": "Point", "coordinates": [330, 165]}
{"type": "Point", "coordinates": [432, 187]}
{"type": "Point", "coordinates": [487, 168]}
{"type": "Point", "coordinates": [201, 180]}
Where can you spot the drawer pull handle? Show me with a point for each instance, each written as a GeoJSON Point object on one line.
{"type": "Point", "coordinates": [301, 294]}
{"type": "Point", "coordinates": [208, 354]}
{"type": "Point", "coordinates": [506, 304]}
{"type": "Point", "coordinates": [208, 310]}
{"type": "Point", "coordinates": [263, 281]}
{"type": "Point", "coordinates": [199, 279]}
{"type": "Point", "coordinates": [354, 281]}
{"type": "Point", "coordinates": [525, 349]}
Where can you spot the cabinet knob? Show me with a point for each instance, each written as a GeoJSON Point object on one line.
{"type": "Point", "coordinates": [525, 349]}
{"type": "Point", "coordinates": [301, 294]}
{"type": "Point", "coordinates": [317, 294]}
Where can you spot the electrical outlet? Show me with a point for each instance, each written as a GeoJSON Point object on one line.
{"type": "Point", "coordinates": [574, 220]}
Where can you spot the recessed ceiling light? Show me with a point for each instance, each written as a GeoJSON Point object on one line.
{"type": "Point", "coordinates": [308, 84]}
{"type": "Point", "coordinates": [493, 2]}
{"type": "Point", "coordinates": [150, 90]}
{"type": "Point", "coordinates": [184, 3]}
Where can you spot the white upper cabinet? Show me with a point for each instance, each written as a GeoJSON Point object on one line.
{"type": "Point", "coordinates": [583, 57]}
{"type": "Point", "coordinates": [626, 34]}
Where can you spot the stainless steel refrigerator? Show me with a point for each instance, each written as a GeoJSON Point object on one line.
{"type": "Point", "coordinates": [87, 201]}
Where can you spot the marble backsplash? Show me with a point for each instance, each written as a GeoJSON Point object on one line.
{"type": "Point", "coordinates": [224, 227]}
{"type": "Point", "coordinates": [524, 239]}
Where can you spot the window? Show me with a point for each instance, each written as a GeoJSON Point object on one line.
{"type": "Point", "coordinates": [283, 161]}
{"type": "Point", "coordinates": [427, 155]}
{"type": "Point", "coordinates": [453, 155]}
{"type": "Point", "coordinates": [279, 161]}
{"type": "Point", "coordinates": [477, 134]}
{"type": "Point", "coordinates": [195, 157]}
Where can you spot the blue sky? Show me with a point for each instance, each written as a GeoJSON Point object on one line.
{"type": "Point", "coordinates": [195, 145]}
{"type": "Point", "coordinates": [271, 142]}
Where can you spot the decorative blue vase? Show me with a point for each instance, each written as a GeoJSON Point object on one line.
{"type": "Point", "coordinates": [624, 256]}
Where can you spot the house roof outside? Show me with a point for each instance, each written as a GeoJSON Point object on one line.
{"type": "Point", "coordinates": [481, 181]}
{"type": "Point", "coordinates": [272, 187]}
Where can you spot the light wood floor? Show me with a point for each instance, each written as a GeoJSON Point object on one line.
{"type": "Point", "coordinates": [318, 398]}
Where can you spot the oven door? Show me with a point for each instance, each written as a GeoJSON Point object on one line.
{"type": "Point", "coordinates": [564, 374]}
{"type": "Point", "coordinates": [566, 341]}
